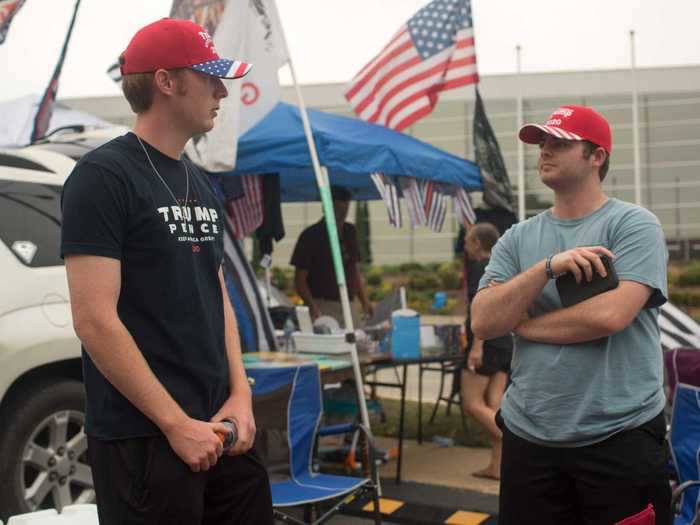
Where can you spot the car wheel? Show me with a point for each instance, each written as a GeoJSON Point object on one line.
{"type": "Point", "coordinates": [43, 450]}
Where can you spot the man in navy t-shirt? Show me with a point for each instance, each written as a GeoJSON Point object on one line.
{"type": "Point", "coordinates": [142, 240]}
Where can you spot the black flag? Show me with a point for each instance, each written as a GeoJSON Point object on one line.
{"type": "Point", "coordinates": [487, 154]}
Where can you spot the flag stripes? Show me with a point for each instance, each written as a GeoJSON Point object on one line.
{"type": "Point", "coordinates": [434, 51]}
{"type": "Point", "coordinates": [246, 213]}
{"type": "Point", "coordinates": [678, 329]}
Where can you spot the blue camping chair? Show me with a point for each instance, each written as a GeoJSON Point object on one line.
{"type": "Point", "coordinates": [295, 392]}
{"type": "Point", "coordinates": [685, 448]}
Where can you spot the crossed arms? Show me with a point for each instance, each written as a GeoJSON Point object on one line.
{"type": "Point", "coordinates": [498, 310]}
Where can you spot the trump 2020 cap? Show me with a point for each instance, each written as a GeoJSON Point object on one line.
{"type": "Point", "coordinates": [571, 123]}
{"type": "Point", "coordinates": [172, 43]}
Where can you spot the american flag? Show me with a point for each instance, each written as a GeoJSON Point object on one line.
{"type": "Point", "coordinates": [8, 9]}
{"type": "Point", "coordinates": [389, 194]}
{"type": "Point", "coordinates": [246, 213]}
{"type": "Point", "coordinates": [414, 201]}
{"type": "Point", "coordinates": [463, 204]}
{"type": "Point", "coordinates": [434, 51]}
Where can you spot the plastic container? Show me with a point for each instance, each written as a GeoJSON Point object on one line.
{"type": "Point", "coordinates": [405, 334]}
{"type": "Point", "coordinates": [320, 343]}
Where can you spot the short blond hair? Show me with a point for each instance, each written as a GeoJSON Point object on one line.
{"type": "Point", "coordinates": [139, 90]}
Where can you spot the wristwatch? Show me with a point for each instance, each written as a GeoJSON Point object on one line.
{"type": "Point", "coordinates": [548, 268]}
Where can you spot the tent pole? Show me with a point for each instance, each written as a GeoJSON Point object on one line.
{"type": "Point", "coordinates": [327, 202]}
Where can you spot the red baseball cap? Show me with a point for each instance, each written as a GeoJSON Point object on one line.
{"type": "Point", "coordinates": [571, 123]}
{"type": "Point", "coordinates": [172, 43]}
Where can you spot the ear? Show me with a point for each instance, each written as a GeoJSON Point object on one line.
{"type": "Point", "coordinates": [164, 82]}
{"type": "Point", "coordinates": [598, 157]}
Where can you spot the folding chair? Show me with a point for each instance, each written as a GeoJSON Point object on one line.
{"type": "Point", "coordinates": [685, 449]}
{"type": "Point", "coordinates": [297, 388]}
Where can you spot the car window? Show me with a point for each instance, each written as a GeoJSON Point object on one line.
{"type": "Point", "coordinates": [16, 161]}
{"type": "Point", "coordinates": [30, 222]}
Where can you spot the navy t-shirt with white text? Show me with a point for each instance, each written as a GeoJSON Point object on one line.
{"type": "Point", "coordinates": [114, 205]}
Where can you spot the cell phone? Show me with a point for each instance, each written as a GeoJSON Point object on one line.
{"type": "Point", "coordinates": [571, 292]}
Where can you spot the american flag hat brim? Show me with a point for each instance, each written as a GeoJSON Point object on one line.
{"type": "Point", "coordinates": [223, 68]}
{"type": "Point", "coordinates": [533, 133]}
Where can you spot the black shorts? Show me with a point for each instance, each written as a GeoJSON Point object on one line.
{"type": "Point", "coordinates": [141, 481]}
{"type": "Point", "coordinates": [598, 484]}
{"type": "Point", "coordinates": [494, 360]}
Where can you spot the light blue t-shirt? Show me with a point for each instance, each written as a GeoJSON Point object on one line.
{"type": "Point", "coordinates": [579, 394]}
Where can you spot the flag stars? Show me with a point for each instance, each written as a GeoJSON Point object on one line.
{"type": "Point", "coordinates": [433, 27]}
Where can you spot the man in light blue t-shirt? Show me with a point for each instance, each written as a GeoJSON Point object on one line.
{"type": "Point", "coordinates": [582, 422]}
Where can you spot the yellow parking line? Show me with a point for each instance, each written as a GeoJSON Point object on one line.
{"type": "Point", "coordinates": [386, 506]}
{"type": "Point", "coordinates": [462, 517]}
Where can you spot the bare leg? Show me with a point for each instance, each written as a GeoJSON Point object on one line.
{"type": "Point", "coordinates": [474, 393]}
{"type": "Point", "coordinates": [494, 394]}
{"type": "Point", "coordinates": [474, 388]}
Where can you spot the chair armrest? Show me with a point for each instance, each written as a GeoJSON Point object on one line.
{"type": "Point", "coordinates": [332, 430]}
{"type": "Point", "coordinates": [346, 428]}
{"type": "Point", "coordinates": [678, 492]}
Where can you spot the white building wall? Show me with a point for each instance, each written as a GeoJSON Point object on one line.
{"type": "Point", "coordinates": [670, 147]}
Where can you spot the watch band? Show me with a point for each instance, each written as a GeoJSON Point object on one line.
{"type": "Point", "coordinates": [548, 268]}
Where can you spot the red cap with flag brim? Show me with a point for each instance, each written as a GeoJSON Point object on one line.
{"type": "Point", "coordinates": [171, 43]}
{"type": "Point", "coordinates": [571, 123]}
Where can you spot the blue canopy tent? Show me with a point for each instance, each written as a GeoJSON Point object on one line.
{"type": "Point", "coordinates": [349, 149]}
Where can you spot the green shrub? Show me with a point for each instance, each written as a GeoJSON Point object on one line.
{"type": "Point", "coordinates": [410, 267]}
{"type": "Point", "coordinates": [690, 276]}
{"type": "Point", "coordinates": [421, 306]}
{"type": "Point", "coordinates": [424, 281]}
{"type": "Point", "coordinates": [451, 280]}
{"type": "Point", "coordinates": [374, 277]}
{"type": "Point", "coordinates": [279, 278]}
{"type": "Point", "coordinates": [685, 297]}
{"type": "Point", "coordinates": [390, 269]}
{"type": "Point", "coordinates": [432, 267]}
{"type": "Point", "coordinates": [376, 294]}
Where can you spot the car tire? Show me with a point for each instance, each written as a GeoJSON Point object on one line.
{"type": "Point", "coordinates": [43, 450]}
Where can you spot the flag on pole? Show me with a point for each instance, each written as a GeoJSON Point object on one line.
{"type": "Point", "coordinates": [45, 109]}
{"type": "Point", "coordinates": [389, 194]}
{"type": "Point", "coordinates": [250, 29]}
{"type": "Point", "coordinates": [206, 13]}
{"type": "Point", "coordinates": [414, 200]}
{"type": "Point", "coordinates": [487, 154]}
{"type": "Point", "coordinates": [8, 10]}
{"type": "Point", "coordinates": [463, 204]}
{"type": "Point", "coordinates": [432, 52]}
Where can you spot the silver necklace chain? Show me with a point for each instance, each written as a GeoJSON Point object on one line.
{"type": "Point", "coordinates": [187, 180]}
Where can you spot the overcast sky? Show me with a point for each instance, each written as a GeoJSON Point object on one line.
{"type": "Point", "coordinates": [330, 40]}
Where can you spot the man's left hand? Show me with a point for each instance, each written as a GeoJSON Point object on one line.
{"type": "Point", "coordinates": [239, 410]}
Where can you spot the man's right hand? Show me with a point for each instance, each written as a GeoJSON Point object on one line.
{"type": "Point", "coordinates": [580, 261]}
{"type": "Point", "coordinates": [196, 443]}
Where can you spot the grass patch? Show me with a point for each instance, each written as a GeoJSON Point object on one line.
{"type": "Point", "coordinates": [444, 425]}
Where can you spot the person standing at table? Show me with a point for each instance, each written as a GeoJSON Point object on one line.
{"type": "Point", "coordinates": [485, 375]}
{"type": "Point", "coordinates": [314, 276]}
{"type": "Point", "coordinates": [142, 241]}
{"type": "Point", "coordinates": [582, 420]}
